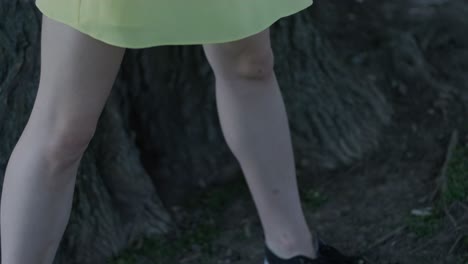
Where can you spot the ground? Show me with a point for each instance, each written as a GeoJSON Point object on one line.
{"type": "Point", "coordinates": [405, 203]}
{"type": "Point", "coordinates": [372, 208]}
{"type": "Point", "coordinates": [377, 207]}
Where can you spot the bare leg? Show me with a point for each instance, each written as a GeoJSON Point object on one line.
{"type": "Point", "coordinates": [254, 122]}
{"type": "Point", "coordinates": [77, 74]}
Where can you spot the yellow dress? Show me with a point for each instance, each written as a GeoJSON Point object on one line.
{"type": "Point", "coordinates": [148, 23]}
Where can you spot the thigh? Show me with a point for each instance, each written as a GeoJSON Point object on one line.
{"type": "Point", "coordinates": [242, 55]}
{"type": "Point", "coordinates": [77, 73]}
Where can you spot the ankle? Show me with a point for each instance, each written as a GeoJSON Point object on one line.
{"type": "Point", "coordinates": [288, 246]}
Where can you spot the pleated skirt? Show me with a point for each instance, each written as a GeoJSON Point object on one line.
{"type": "Point", "coordinates": [149, 23]}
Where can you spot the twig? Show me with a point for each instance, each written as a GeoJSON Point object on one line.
{"type": "Point", "coordinates": [425, 244]}
{"type": "Point", "coordinates": [452, 219]}
{"type": "Point", "coordinates": [190, 258]}
{"type": "Point", "coordinates": [384, 238]}
{"type": "Point", "coordinates": [463, 228]}
{"type": "Point", "coordinates": [462, 204]}
{"type": "Point", "coordinates": [442, 178]}
{"type": "Point", "coordinates": [455, 244]}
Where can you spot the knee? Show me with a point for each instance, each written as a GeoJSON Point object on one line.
{"type": "Point", "coordinates": [252, 64]}
{"type": "Point", "coordinates": [67, 142]}
{"type": "Point", "coordinates": [255, 65]}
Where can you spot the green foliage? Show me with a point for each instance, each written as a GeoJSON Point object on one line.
{"type": "Point", "coordinates": [200, 232]}
{"type": "Point", "coordinates": [456, 186]}
{"type": "Point", "coordinates": [424, 225]}
{"type": "Point", "coordinates": [313, 198]}
{"type": "Point", "coordinates": [218, 197]}
{"type": "Point", "coordinates": [164, 249]}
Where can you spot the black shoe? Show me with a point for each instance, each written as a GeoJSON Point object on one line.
{"type": "Point", "coordinates": [326, 254]}
{"type": "Point", "coordinates": [272, 258]}
{"type": "Point", "coordinates": [331, 255]}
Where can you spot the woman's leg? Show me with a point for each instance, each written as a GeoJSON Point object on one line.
{"type": "Point", "coordinates": [255, 125]}
{"type": "Point", "coordinates": [77, 74]}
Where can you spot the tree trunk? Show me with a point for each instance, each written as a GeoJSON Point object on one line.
{"type": "Point", "coordinates": [159, 140]}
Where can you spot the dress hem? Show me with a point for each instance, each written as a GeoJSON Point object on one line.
{"type": "Point", "coordinates": [156, 41]}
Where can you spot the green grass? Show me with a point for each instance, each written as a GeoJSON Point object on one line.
{"type": "Point", "coordinates": [163, 249]}
{"type": "Point", "coordinates": [454, 189]}
{"type": "Point", "coordinates": [207, 204]}
{"type": "Point", "coordinates": [424, 226]}
{"type": "Point", "coordinates": [313, 199]}
{"type": "Point", "coordinates": [216, 198]}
